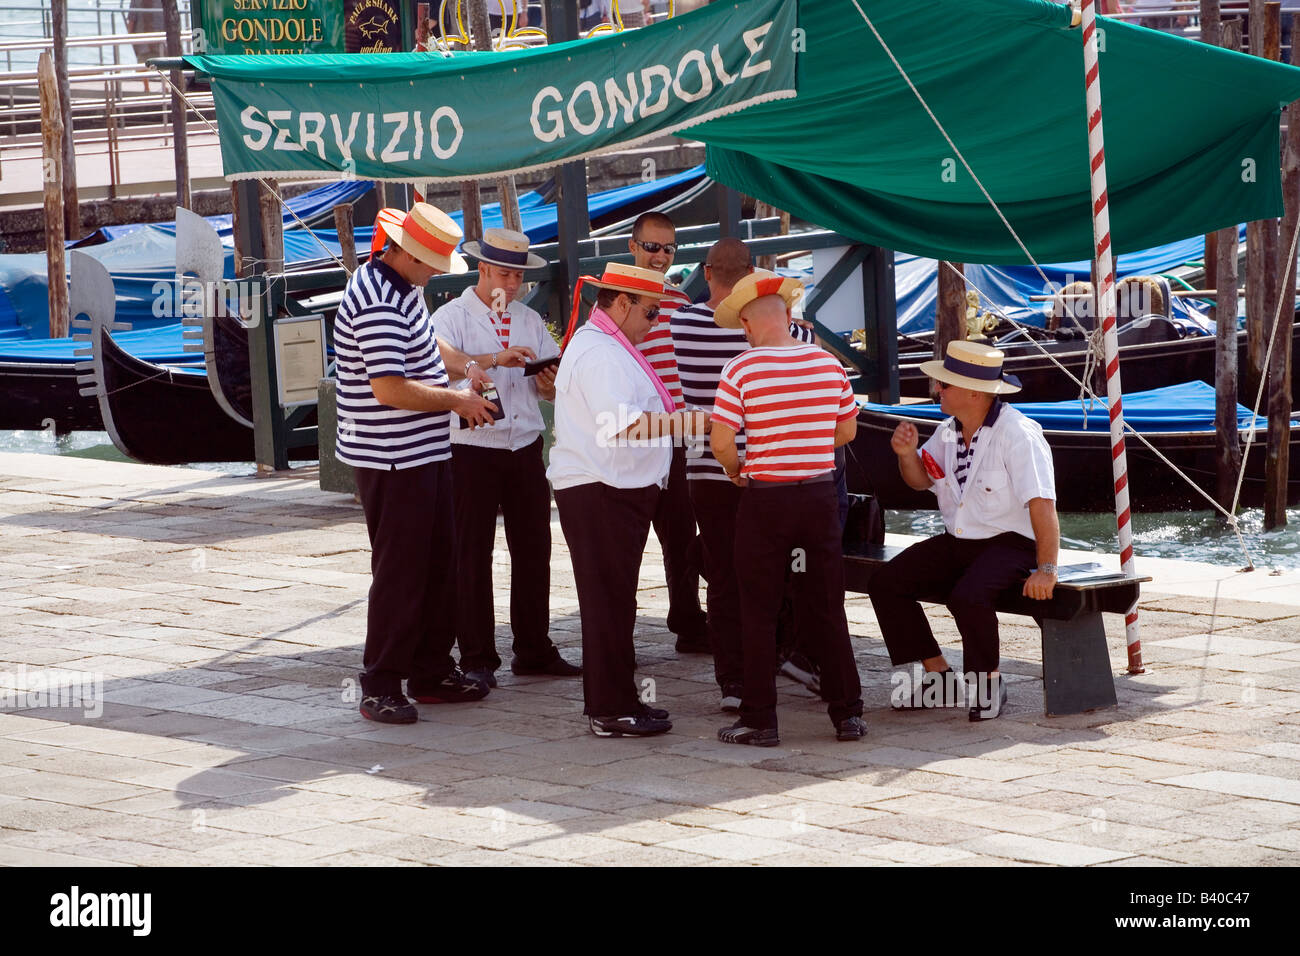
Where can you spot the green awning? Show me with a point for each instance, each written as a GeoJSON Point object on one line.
{"type": "Point", "coordinates": [1192, 138]}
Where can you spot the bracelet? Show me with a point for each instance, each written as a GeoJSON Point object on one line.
{"type": "Point", "coordinates": [1047, 568]}
{"type": "Point", "coordinates": [468, 364]}
{"type": "Point", "coordinates": [494, 359]}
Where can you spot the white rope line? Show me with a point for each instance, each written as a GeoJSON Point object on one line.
{"type": "Point", "coordinates": [265, 185]}
{"type": "Point", "coordinates": [1282, 296]}
{"type": "Point", "coordinates": [1086, 390]}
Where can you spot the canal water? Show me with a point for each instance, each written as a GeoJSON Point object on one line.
{"type": "Point", "coordinates": [1187, 536]}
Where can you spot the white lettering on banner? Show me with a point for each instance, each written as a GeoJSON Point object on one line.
{"type": "Point", "coordinates": [586, 129]}
{"type": "Point", "coordinates": [752, 38]}
{"type": "Point", "coordinates": [660, 83]}
{"type": "Point", "coordinates": [282, 141]}
{"type": "Point", "coordinates": [661, 104]}
{"type": "Point", "coordinates": [370, 135]}
{"type": "Point", "coordinates": [706, 80]}
{"type": "Point", "coordinates": [391, 153]}
{"type": "Point", "coordinates": [249, 118]}
{"type": "Point", "coordinates": [435, 141]}
{"type": "Point", "coordinates": [419, 137]}
{"type": "Point", "coordinates": [614, 96]}
{"type": "Point", "coordinates": [554, 117]}
{"type": "Point", "coordinates": [345, 145]}
{"type": "Point", "coordinates": [306, 136]}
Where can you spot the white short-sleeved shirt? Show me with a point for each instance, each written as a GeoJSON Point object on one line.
{"type": "Point", "coordinates": [471, 326]}
{"type": "Point", "coordinates": [1011, 465]}
{"type": "Point", "coordinates": [599, 391]}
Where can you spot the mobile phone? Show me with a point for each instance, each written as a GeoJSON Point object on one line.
{"type": "Point", "coordinates": [492, 395]}
{"type": "Point", "coordinates": [532, 368]}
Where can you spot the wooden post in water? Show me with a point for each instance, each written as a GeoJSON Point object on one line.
{"type": "Point", "coordinates": [272, 220]}
{"type": "Point", "coordinates": [1261, 235]}
{"type": "Point", "coordinates": [950, 308]}
{"type": "Point", "coordinates": [347, 237]}
{"type": "Point", "coordinates": [180, 137]}
{"type": "Point", "coordinates": [1224, 278]}
{"type": "Point", "coordinates": [1277, 461]}
{"type": "Point", "coordinates": [480, 31]}
{"type": "Point", "coordinates": [71, 205]}
{"type": "Point", "coordinates": [52, 163]}
{"type": "Point", "coordinates": [236, 216]}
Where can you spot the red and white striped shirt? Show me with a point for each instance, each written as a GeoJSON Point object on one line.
{"type": "Point", "coordinates": [788, 401]}
{"type": "Point", "coordinates": [657, 346]}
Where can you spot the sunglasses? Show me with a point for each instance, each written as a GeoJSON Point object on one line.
{"type": "Point", "coordinates": [653, 247]}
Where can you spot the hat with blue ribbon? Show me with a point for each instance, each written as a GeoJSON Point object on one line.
{"type": "Point", "coordinates": [969, 365]}
{"type": "Point", "coordinates": [505, 248]}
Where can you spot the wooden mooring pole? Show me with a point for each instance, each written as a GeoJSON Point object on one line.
{"type": "Point", "coordinates": [272, 224]}
{"type": "Point", "coordinates": [52, 154]}
{"type": "Point", "coordinates": [347, 237]}
{"type": "Point", "coordinates": [1277, 461]}
{"type": "Point", "coordinates": [71, 205]}
{"type": "Point", "coordinates": [180, 138]}
{"type": "Point", "coordinates": [1261, 236]}
{"type": "Point", "coordinates": [950, 308]}
{"type": "Point", "coordinates": [480, 29]}
{"type": "Point", "coordinates": [1224, 276]}
{"type": "Point", "coordinates": [1211, 33]}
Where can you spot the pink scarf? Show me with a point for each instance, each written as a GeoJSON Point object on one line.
{"type": "Point", "coordinates": [600, 320]}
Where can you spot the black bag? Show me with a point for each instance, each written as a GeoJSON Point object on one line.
{"type": "Point", "coordinates": [865, 524]}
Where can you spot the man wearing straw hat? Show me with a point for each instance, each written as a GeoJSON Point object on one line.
{"type": "Point", "coordinates": [501, 467]}
{"type": "Point", "coordinates": [796, 407]}
{"type": "Point", "coordinates": [991, 470]}
{"type": "Point", "coordinates": [614, 425]}
{"type": "Point", "coordinates": [394, 406]}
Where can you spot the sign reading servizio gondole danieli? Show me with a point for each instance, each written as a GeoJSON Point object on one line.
{"type": "Point", "coordinates": [270, 26]}
{"type": "Point", "coordinates": [403, 116]}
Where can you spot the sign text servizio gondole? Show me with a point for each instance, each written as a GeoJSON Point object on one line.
{"type": "Point", "coordinates": [271, 26]}
{"type": "Point", "coordinates": [414, 116]}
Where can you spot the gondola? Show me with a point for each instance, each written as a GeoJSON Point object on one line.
{"type": "Point", "coordinates": [1178, 421]}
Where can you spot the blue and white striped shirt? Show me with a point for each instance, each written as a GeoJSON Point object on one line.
{"type": "Point", "coordinates": [383, 328]}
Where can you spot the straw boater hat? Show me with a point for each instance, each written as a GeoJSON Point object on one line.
{"type": "Point", "coordinates": [753, 286]}
{"type": "Point", "coordinates": [505, 248]}
{"type": "Point", "coordinates": [970, 365]}
{"type": "Point", "coordinates": [430, 235]}
{"type": "Point", "coordinates": [633, 280]}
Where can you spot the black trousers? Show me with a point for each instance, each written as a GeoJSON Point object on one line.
{"type": "Point", "coordinates": [606, 529]}
{"type": "Point", "coordinates": [410, 617]}
{"type": "Point", "coordinates": [715, 504]}
{"type": "Point", "coordinates": [793, 527]}
{"type": "Point", "coordinates": [674, 524]}
{"type": "Point", "coordinates": [488, 479]}
{"type": "Point", "coordinates": [970, 573]}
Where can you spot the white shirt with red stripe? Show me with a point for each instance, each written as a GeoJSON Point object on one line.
{"type": "Point", "coordinates": [657, 346]}
{"type": "Point", "coordinates": [788, 400]}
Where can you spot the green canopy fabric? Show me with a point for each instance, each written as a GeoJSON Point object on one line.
{"type": "Point", "coordinates": [1192, 139]}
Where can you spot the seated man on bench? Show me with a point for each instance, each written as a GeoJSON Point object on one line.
{"type": "Point", "coordinates": [991, 470]}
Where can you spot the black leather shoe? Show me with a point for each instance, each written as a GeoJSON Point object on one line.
{"type": "Point", "coordinates": [455, 688]}
{"type": "Point", "coordinates": [654, 713]}
{"type": "Point", "coordinates": [933, 690]}
{"type": "Point", "coordinates": [851, 728]}
{"type": "Point", "coordinates": [997, 699]}
{"type": "Point", "coordinates": [629, 725]}
{"type": "Point", "coordinates": [389, 709]}
{"type": "Point", "coordinates": [555, 667]}
{"type": "Point", "coordinates": [694, 644]}
{"type": "Point", "coordinates": [738, 733]}
{"type": "Point", "coordinates": [482, 675]}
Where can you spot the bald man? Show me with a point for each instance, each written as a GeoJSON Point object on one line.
{"type": "Point", "coordinates": [796, 407]}
{"type": "Point", "coordinates": [703, 350]}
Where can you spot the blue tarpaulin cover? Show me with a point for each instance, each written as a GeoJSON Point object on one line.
{"type": "Point", "coordinates": [1175, 408]}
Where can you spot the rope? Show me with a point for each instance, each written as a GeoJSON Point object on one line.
{"type": "Point", "coordinates": [265, 185]}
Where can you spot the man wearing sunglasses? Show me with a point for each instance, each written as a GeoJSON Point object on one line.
{"type": "Point", "coordinates": [653, 246]}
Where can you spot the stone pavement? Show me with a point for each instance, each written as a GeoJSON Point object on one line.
{"type": "Point", "coordinates": [225, 616]}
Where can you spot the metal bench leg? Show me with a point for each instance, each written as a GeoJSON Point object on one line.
{"type": "Point", "coordinates": [1076, 666]}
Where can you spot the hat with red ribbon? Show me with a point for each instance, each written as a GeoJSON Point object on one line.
{"type": "Point", "coordinates": [753, 286]}
{"type": "Point", "coordinates": [429, 235]}
{"type": "Point", "coordinates": [633, 280]}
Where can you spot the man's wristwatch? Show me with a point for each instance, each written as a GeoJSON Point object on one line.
{"type": "Point", "coordinates": [494, 359]}
{"type": "Point", "coordinates": [1047, 568]}
{"type": "Point", "coordinates": [468, 364]}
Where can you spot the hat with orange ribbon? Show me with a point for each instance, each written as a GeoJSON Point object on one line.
{"type": "Point", "coordinates": [388, 216]}
{"type": "Point", "coordinates": [753, 286]}
{"type": "Point", "coordinates": [429, 235]}
{"type": "Point", "coordinates": [633, 280]}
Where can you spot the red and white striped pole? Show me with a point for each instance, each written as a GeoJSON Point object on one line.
{"type": "Point", "coordinates": [1106, 303]}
